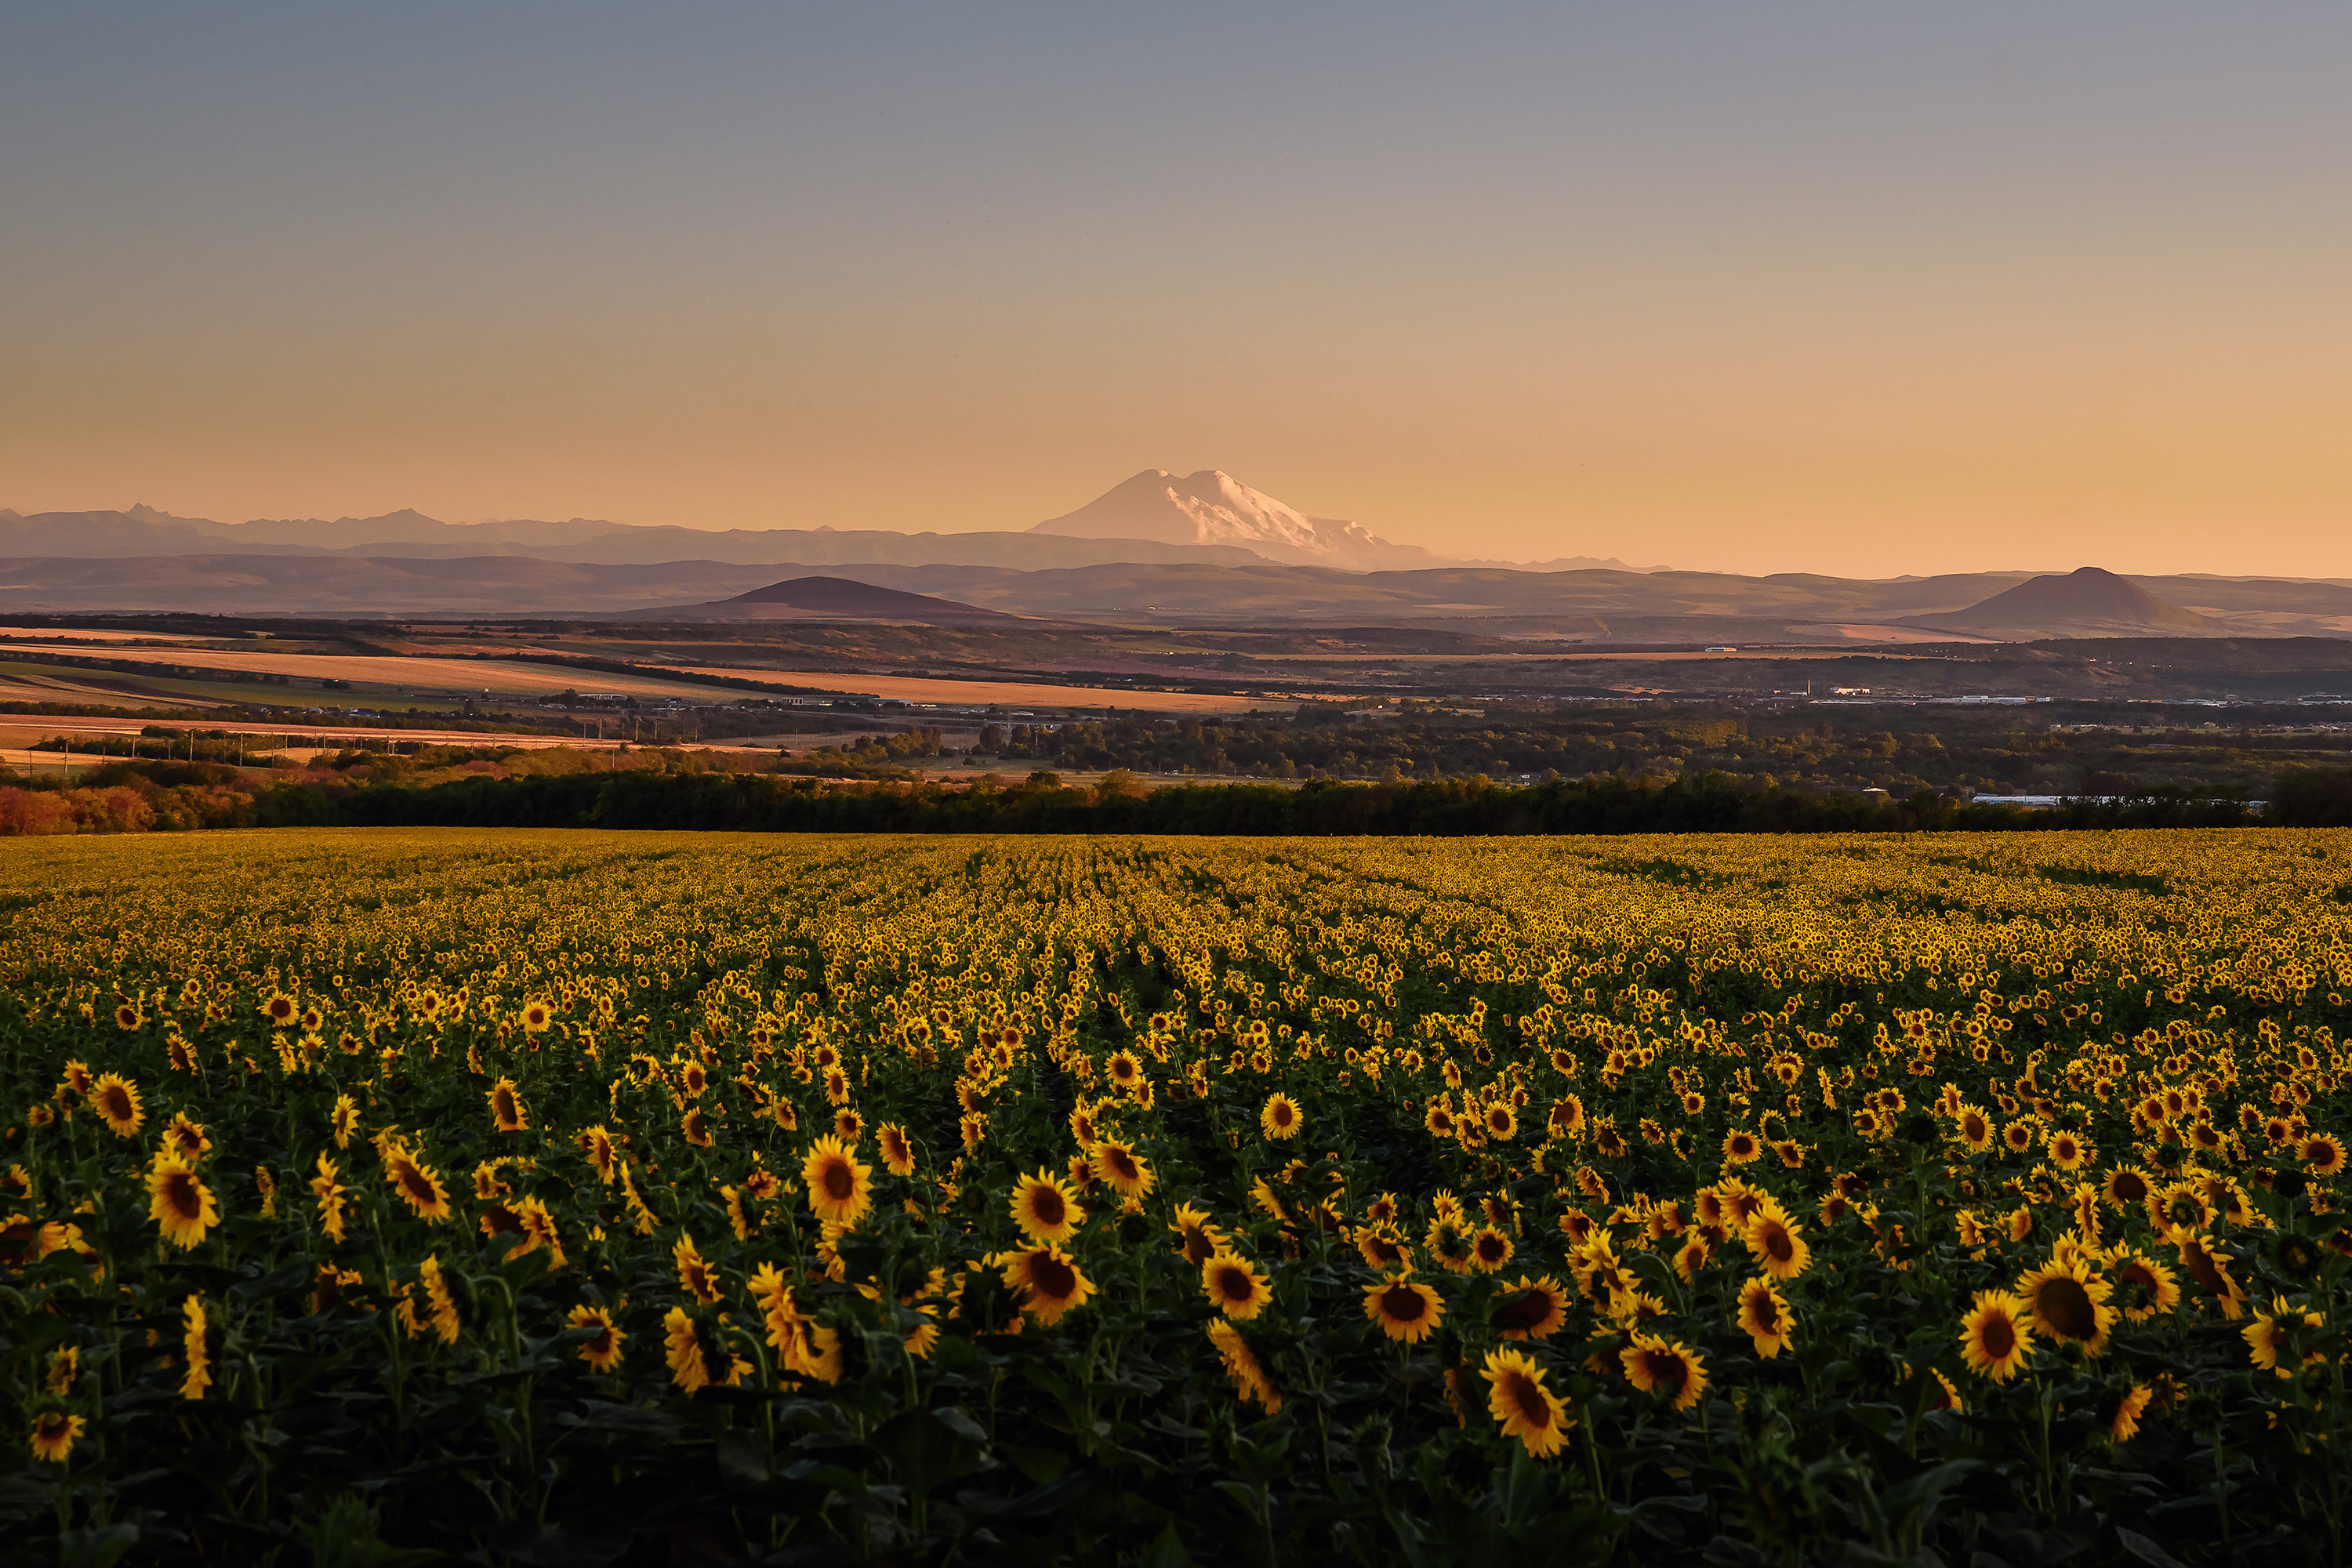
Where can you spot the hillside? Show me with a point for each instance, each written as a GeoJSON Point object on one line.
{"type": "Point", "coordinates": [829, 599]}
{"type": "Point", "coordinates": [2086, 603]}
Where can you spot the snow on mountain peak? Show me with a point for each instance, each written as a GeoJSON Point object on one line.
{"type": "Point", "coordinates": [1212, 507]}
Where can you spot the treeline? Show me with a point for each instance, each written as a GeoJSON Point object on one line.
{"type": "Point", "coordinates": [157, 797]}
{"type": "Point", "coordinates": [133, 798]}
{"type": "Point", "coordinates": [1706, 804]}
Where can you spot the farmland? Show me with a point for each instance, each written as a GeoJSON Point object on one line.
{"type": "Point", "coordinates": [552, 1197]}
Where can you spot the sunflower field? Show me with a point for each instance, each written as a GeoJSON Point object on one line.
{"type": "Point", "coordinates": [395, 1196]}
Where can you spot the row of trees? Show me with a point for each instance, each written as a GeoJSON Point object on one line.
{"type": "Point", "coordinates": [128, 796]}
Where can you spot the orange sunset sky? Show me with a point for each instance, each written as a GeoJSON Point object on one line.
{"type": "Point", "coordinates": [1802, 288]}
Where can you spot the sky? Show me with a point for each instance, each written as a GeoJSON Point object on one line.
{"type": "Point", "coordinates": [1786, 286]}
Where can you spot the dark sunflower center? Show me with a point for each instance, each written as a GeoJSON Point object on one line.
{"type": "Point", "coordinates": [1666, 1370]}
{"type": "Point", "coordinates": [2000, 1339]}
{"type": "Point", "coordinates": [1778, 1245]}
{"type": "Point", "coordinates": [1527, 1400]}
{"type": "Point", "coordinates": [1053, 1279]}
{"type": "Point", "coordinates": [1403, 1306]}
{"type": "Point", "coordinates": [2066, 1307]}
{"type": "Point", "coordinates": [840, 1181]}
{"type": "Point", "coordinates": [1522, 1312]}
{"type": "Point", "coordinates": [1234, 1285]}
{"type": "Point", "coordinates": [1046, 1205]}
{"type": "Point", "coordinates": [180, 1192]}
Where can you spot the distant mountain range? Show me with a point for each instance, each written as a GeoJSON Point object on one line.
{"type": "Point", "coordinates": [1207, 518]}
{"type": "Point", "coordinates": [1156, 549]}
{"type": "Point", "coordinates": [1596, 606]}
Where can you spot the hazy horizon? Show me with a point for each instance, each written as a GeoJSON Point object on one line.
{"type": "Point", "coordinates": [1817, 290]}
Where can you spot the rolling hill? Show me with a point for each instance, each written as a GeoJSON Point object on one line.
{"type": "Point", "coordinates": [829, 599]}
{"type": "Point", "coordinates": [2086, 603]}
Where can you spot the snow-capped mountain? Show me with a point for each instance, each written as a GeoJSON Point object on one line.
{"type": "Point", "coordinates": [1212, 507]}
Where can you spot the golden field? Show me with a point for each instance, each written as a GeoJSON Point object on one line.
{"type": "Point", "coordinates": [577, 1196]}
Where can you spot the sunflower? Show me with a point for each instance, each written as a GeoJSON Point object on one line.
{"type": "Point", "coordinates": [1242, 1366]}
{"type": "Point", "coordinates": [1945, 1396]}
{"type": "Point", "coordinates": [186, 1139]}
{"type": "Point", "coordinates": [2323, 1154]}
{"type": "Point", "coordinates": [278, 1009]}
{"type": "Point", "coordinates": [1381, 1210]}
{"type": "Point", "coordinates": [199, 1375]}
{"type": "Point", "coordinates": [1692, 1257]}
{"type": "Point", "coordinates": [1118, 1166]}
{"type": "Point", "coordinates": [179, 1202]}
{"type": "Point", "coordinates": [1449, 1242]}
{"type": "Point", "coordinates": [1049, 1281]}
{"type": "Point", "coordinates": [1281, 1118]}
{"type": "Point", "coordinates": [330, 1194]}
{"type": "Point", "coordinates": [344, 1121]}
{"type": "Point", "coordinates": [54, 1433]}
{"type": "Point", "coordinates": [2018, 1137]}
{"type": "Point", "coordinates": [1489, 1249]}
{"type": "Point", "coordinates": [1197, 1239]}
{"type": "Point", "coordinates": [2208, 1269]}
{"type": "Point", "coordinates": [2125, 1188]}
{"type": "Point", "coordinates": [1405, 1310]}
{"type": "Point", "coordinates": [1665, 1368]}
{"type": "Point", "coordinates": [897, 1153]}
{"type": "Point", "coordinates": [1567, 1118]}
{"type": "Point", "coordinates": [438, 1294]}
{"type": "Point", "coordinates": [1236, 1288]}
{"type": "Point", "coordinates": [2069, 1152]}
{"type": "Point", "coordinates": [848, 1126]}
{"type": "Point", "coordinates": [1383, 1249]}
{"type": "Point", "coordinates": [695, 1277]}
{"type": "Point", "coordinates": [602, 1350]}
{"type": "Point", "coordinates": [1973, 1127]}
{"type": "Point", "coordinates": [840, 1190]}
{"type": "Point", "coordinates": [597, 1144]}
{"type": "Point", "coordinates": [1525, 1408]}
{"type": "Point", "coordinates": [692, 1078]}
{"type": "Point", "coordinates": [419, 1184]}
{"type": "Point", "coordinates": [1740, 1148]}
{"type": "Point", "coordinates": [1764, 1314]}
{"type": "Point", "coordinates": [1501, 1124]}
{"type": "Point", "coordinates": [1773, 1239]}
{"type": "Point", "coordinates": [1535, 1309]}
{"type": "Point", "coordinates": [2124, 1423]}
{"type": "Point", "coordinates": [2068, 1302]}
{"type": "Point", "coordinates": [507, 1108]}
{"type": "Point", "coordinates": [538, 1230]}
{"type": "Point", "coordinates": [698, 1357]}
{"type": "Point", "coordinates": [536, 1017]}
{"type": "Point", "coordinates": [1439, 1120]}
{"type": "Point", "coordinates": [1123, 1068]}
{"type": "Point", "coordinates": [1046, 1208]}
{"type": "Point", "coordinates": [1995, 1337]}
{"type": "Point", "coordinates": [117, 1099]}
{"type": "Point", "coordinates": [2269, 1338]}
